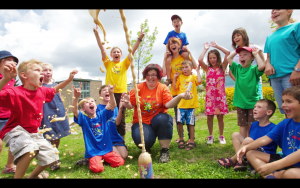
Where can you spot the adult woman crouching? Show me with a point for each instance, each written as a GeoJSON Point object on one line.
{"type": "Point", "coordinates": [155, 100]}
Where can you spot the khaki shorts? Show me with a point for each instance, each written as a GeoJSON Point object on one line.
{"type": "Point", "coordinates": [21, 142]}
{"type": "Point", "coordinates": [245, 116]}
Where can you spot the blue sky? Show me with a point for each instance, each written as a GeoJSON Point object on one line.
{"type": "Point", "coordinates": [65, 38]}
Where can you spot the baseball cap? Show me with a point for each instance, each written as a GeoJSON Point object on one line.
{"type": "Point", "coordinates": [175, 16]}
{"type": "Point", "coordinates": [243, 48]}
{"type": "Point", "coordinates": [4, 54]}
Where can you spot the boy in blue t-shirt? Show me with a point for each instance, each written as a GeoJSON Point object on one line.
{"type": "Point", "coordinates": [176, 22]}
{"type": "Point", "coordinates": [287, 135]}
{"type": "Point", "coordinates": [96, 131]}
{"type": "Point", "coordinates": [262, 112]}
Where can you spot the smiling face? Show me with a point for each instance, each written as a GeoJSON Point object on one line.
{"type": "Point", "coordinates": [245, 58]}
{"type": "Point", "coordinates": [213, 59]}
{"type": "Point", "coordinates": [116, 54]}
{"type": "Point", "coordinates": [291, 107]}
{"type": "Point", "coordinates": [89, 107]}
{"type": "Point", "coordinates": [174, 47]}
{"type": "Point", "coordinates": [280, 16]}
{"type": "Point", "coordinates": [239, 40]}
{"type": "Point", "coordinates": [151, 79]}
{"type": "Point", "coordinates": [47, 70]}
{"type": "Point", "coordinates": [105, 94]}
{"type": "Point", "coordinates": [177, 24]}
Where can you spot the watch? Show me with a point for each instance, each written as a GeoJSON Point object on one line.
{"type": "Point", "coordinates": [297, 69]}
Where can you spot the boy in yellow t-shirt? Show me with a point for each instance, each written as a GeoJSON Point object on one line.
{"type": "Point", "coordinates": [186, 108]}
{"type": "Point", "coordinates": [116, 72]}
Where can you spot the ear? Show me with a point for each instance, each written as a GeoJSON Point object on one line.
{"type": "Point", "coordinates": [23, 75]}
{"type": "Point", "coordinates": [269, 112]}
{"type": "Point", "coordinates": [290, 11]}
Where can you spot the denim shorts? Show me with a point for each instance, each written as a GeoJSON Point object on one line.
{"type": "Point", "coordinates": [186, 116]}
{"type": "Point", "coordinates": [2, 123]}
{"type": "Point", "coordinates": [120, 144]}
{"type": "Point", "coordinates": [278, 85]}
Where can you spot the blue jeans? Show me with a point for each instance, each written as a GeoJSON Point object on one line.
{"type": "Point", "coordinates": [161, 126]}
{"type": "Point", "coordinates": [2, 123]}
{"type": "Point", "coordinates": [278, 85]}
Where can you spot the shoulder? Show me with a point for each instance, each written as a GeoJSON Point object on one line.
{"type": "Point", "coordinates": [254, 45]}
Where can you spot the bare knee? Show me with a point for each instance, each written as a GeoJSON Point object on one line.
{"type": "Point", "coordinates": [293, 173]}
{"type": "Point", "coordinates": [247, 140]}
{"type": "Point", "coordinates": [235, 135]}
{"type": "Point", "coordinates": [210, 117]}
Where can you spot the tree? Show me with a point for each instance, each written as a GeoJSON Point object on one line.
{"type": "Point", "coordinates": [142, 55]}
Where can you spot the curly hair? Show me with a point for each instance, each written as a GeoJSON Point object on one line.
{"type": "Point", "coordinates": [155, 67]}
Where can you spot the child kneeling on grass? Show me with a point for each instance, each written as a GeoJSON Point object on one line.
{"type": "Point", "coordinates": [262, 112]}
{"type": "Point", "coordinates": [96, 131]}
{"type": "Point", "coordinates": [26, 105]}
{"type": "Point", "coordinates": [287, 135]}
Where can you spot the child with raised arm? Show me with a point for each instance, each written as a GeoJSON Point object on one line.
{"type": "Point", "coordinates": [186, 108]}
{"type": "Point", "coordinates": [55, 108]}
{"type": "Point", "coordinates": [26, 105]}
{"type": "Point", "coordinates": [215, 99]}
{"type": "Point", "coordinates": [262, 112]}
{"type": "Point", "coordinates": [177, 23]}
{"type": "Point", "coordinates": [116, 72]}
{"type": "Point", "coordinates": [246, 85]}
{"type": "Point", "coordinates": [96, 131]}
{"type": "Point", "coordinates": [287, 135]}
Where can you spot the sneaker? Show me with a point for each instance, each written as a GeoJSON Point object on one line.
{"type": "Point", "coordinates": [210, 139]}
{"type": "Point", "coordinates": [222, 139]}
{"type": "Point", "coordinates": [164, 156]}
{"type": "Point", "coordinates": [11, 170]}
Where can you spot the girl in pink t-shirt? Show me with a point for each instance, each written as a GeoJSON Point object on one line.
{"type": "Point", "coordinates": [215, 100]}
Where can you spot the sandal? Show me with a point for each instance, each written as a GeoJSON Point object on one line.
{"type": "Point", "coordinates": [55, 165]}
{"type": "Point", "coordinates": [177, 140]}
{"type": "Point", "coordinates": [240, 167]}
{"type": "Point", "coordinates": [168, 82]}
{"type": "Point", "coordinates": [84, 162]}
{"type": "Point", "coordinates": [181, 146]}
{"type": "Point", "coordinates": [190, 146]}
{"type": "Point", "coordinates": [43, 175]}
{"type": "Point", "coordinates": [225, 164]}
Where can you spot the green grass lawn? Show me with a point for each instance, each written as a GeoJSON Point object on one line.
{"type": "Point", "coordinates": [201, 162]}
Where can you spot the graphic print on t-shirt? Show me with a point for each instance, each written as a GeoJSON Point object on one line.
{"type": "Point", "coordinates": [177, 66]}
{"type": "Point", "coordinates": [292, 140]}
{"type": "Point", "coordinates": [149, 104]}
{"type": "Point", "coordinates": [96, 128]}
{"type": "Point", "coordinates": [116, 69]}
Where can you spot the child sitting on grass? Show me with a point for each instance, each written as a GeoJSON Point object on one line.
{"type": "Point", "coordinates": [96, 131]}
{"type": "Point", "coordinates": [287, 135]}
{"type": "Point", "coordinates": [263, 111]}
{"type": "Point", "coordinates": [26, 105]}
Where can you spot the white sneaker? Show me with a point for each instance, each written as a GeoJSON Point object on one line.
{"type": "Point", "coordinates": [210, 139]}
{"type": "Point", "coordinates": [222, 139]}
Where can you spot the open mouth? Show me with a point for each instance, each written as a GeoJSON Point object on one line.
{"type": "Point", "coordinates": [92, 107]}
{"type": "Point", "coordinates": [41, 79]}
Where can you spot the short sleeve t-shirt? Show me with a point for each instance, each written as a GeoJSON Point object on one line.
{"type": "Point", "coordinates": [175, 67]}
{"type": "Point", "coordinates": [246, 85]}
{"type": "Point", "coordinates": [286, 134]}
{"type": "Point", "coordinates": [257, 131]}
{"type": "Point", "coordinates": [4, 112]}
{"type": "Point", "coordinates": [26, 107]}
{"type": "Point", "coordinates": [115, 136]}
{"type": "Point", "coordinates": [96, 133]}
{"type": "Point", "coordinates": [182, 84]}
{"type": "Point", "coordinates": [152, 102]}
{"type": "Point", "coordinates": [181, 36]}
{"type": "Point", "coordinates": [283, 47]}
{"type": "Point", "coordinates": [116, 73]}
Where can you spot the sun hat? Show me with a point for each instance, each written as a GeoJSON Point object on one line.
{"type": "Point", "coordinates": [4, 54]}
{"type": "Point", "coordinates": [243, 48]}
{"type": "Point", "coordinates": [175, 16]}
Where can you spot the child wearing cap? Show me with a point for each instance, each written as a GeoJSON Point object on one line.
{"type": "Point", "coordinates": [7, 57]}
{"type": "Point", "coordinates": [25, 102]}
{"type": "Point", "coordinates": [177, 23]}
{"type": "Point", "coordinates": [246, 84]}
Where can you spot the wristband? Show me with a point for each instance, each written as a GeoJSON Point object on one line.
{"type": "Point", "coordinates": [140, 39]}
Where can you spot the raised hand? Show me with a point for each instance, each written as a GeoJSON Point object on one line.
{"type": "Point", "coordinates": [125, 97]}
{"type": "Point", "coordinates": [77, 91]}
{"type": "Point", "coordinates": [72, 74]}
{"type": "Point", "coordinates": [176, 74]}
{"type": "Point", "coordinates": [206, 46]}
{"type": "Point", "coordinates": [213, 44]}
{"type": "Point", "coordinates": [110, 87]}
{"type": "Point", "coordinates": [142, 34]}
{"type": "Point", "coordinates": [254, 50]}
{"type": "Point", "coordinates": [95, 30]}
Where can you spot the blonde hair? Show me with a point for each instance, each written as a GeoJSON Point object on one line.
{"type": "Point", "coordinates": [291, 20]}
{"type": "Point", "coordinates": [50, 65]}
{"type": "Point", "coordinates": [187, 62]}
{"type": "Point", "coordinates": [25, 65]}
{"type": "Point", "coordinates": [81, 105]}
{"type": "Point", "coordinates": [115, 48]}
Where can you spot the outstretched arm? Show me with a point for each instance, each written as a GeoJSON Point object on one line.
{"type": "Point", "coordinates": [77, 93]}
{"type": "Point", "coordinates": [174, 102]}
{"type": "Point", "coordinates": [99, 42]}
{"type": "Point", "coordinates": [230, 57]}
{"type": "Point", "coordinates": [260, 62]}
{"type": "Point", "coordinates": [199, 79]}
{"type": "Point", "coordinates": [125, 98]}
{"type": "Point", "coordinates": [65, 83]}
{"type": "Point", "coordinates": [112, 102]}
{"type": "Point", "coordinates": [201, 57]}
{"type": "Point", "coordinates": [138, 42]}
